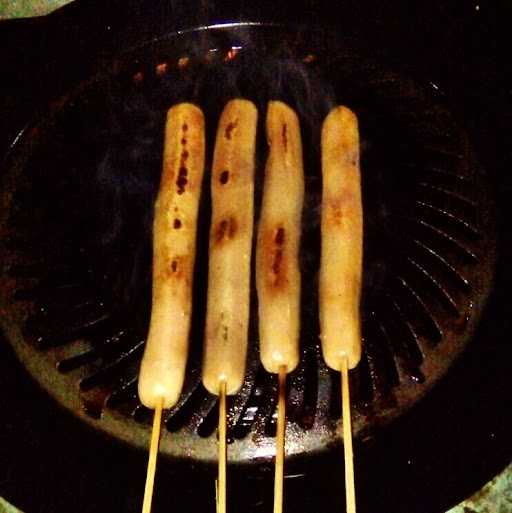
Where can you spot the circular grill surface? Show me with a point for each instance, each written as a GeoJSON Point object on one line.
{"type": "Point", "coordinates": [75, 226]}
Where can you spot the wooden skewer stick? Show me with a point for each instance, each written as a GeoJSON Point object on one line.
{"type": "Point", "coordinates": [347, 439]}
{"type": "Point", "coordinates": [281, 426]}
{"type": "Point", "coordinates": [153, 452]}
{"type": "Point", "coordinates": [221, 483]}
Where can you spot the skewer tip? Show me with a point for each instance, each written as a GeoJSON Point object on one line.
{"type": "Point", "coordinates": [153, 453]}
{"type": "Point", "coordinates": [280, 441]}
{"type": "Point", "coordinates": [221, 481]}
{"type": "Point", "coordinates": [347, 438]}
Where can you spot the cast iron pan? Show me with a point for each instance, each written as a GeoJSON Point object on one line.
{"type": "Point", "coordinates": [476, 234]}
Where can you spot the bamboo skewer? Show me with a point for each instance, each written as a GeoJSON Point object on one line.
{"type": "Point", "coordinates": [280, 442]}
{"type": "Point", "coordinates": [221, 480]}
{"type": "Point", "coordinates": [153, 452]}
{"type": "Point", "coordinates": [347, 439]}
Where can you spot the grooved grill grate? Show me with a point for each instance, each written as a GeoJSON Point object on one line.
{"type": "Point", "coordinates": [76, 238]}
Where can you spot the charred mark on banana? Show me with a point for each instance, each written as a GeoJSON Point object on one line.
{"type": "Point", "coordinates": [279, 238]}
{"type": "Point", "coordinates": [225, 230]}
{"type": "Point", "coordinates": [224, 177]}
{"type": "Point", "coordinates": [182, 180]}
{"type": "Point", "coordinates": [229, 129]}
{"type": "Point", "coordinates": [278, 256]}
